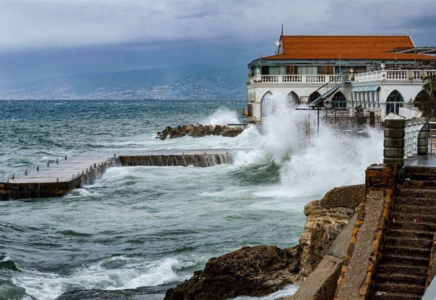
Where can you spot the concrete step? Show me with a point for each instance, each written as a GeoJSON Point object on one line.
{"type": "Point", "coordinates": [412, 225]}
{"type": "Point", "coordinates": [400, 216]}
{"type": "Point", "coordinates": [411, 233]}
{"type": "Point", "coordinates": [421, 176]}
{"type": "Point", "coordinates": [410, 170]}
{"type": "Point", "coordinates": [408, 250]}
{"type": "Point", "coordinates": [420, 184]}
{"type": "Point", "coordinates": [417, 193]}
{"type": "Point", "coordinates": [417, 289]}
{"type": "Point", "coordinates": [427, 202]}
{"type": "Point", "coordinates": [424, 210]}
{"type": "Point", "coordinates": [406, 259]}
{"type": "Point", "coordinates": [395, 267]}
{"type": "Point", "coordinates": [402, 278]}
{"type": "Point", "coordinates": [396, 296]}
{"type": "Point", "coordinates": [407, 241]}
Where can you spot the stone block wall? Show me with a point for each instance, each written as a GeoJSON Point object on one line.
{"type": "Point", "coordinates": [357, 277]}
{"type": "Point", "coordinates": [394, 142]}
{"type": "Point", "coordinates": [432, 264]}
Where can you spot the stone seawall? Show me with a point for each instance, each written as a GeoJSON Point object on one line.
{"type": "Point", "coordinates": [57, 179]}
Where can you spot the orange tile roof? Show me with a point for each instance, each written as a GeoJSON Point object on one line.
{"type": "Point", "coordinates": [347, 47]}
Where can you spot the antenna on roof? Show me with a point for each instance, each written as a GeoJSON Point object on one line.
{"type": "Point", "coordinates": [282, 29]}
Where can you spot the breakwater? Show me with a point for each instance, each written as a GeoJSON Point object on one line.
{"type": "Point", "coordinates": [58, 178]}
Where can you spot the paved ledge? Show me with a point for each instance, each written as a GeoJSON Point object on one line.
{"type": "Point", "coordinates": [58, 178]}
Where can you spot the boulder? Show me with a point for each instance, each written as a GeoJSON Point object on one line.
{"type": "Point", "coordinates": [252, 271]}
{"type": "Point", "coordinates": [216, 130]}
{"type": "Point", "coordinates": [231, 131]}
{"type": "Point", "coordinates": [195, 132]}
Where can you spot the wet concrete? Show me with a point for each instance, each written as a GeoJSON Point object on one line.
{"type": "Point", "coordinates": [58, 178]}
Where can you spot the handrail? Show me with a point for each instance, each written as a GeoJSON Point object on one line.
{"type": "Point", "coordinates": [330, 81]}
{"type": "Point", "coordinates": [431, 136]}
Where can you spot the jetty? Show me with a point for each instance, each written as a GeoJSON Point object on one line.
{"type": "Point", "coordinates": [57, 178]}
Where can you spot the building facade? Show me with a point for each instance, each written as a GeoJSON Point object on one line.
{"type": "Point", "coordinates": [339, 72]}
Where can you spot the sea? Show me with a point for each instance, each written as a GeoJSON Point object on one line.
{"type": "Point", "coordinates": [155, 226]}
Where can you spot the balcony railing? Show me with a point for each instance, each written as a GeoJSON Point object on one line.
{"type": "Point", "coordinates": [399, 75]}
{"type": "Point", "coordinates": [295, 79]}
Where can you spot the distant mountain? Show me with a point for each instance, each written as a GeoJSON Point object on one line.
{"type": "Point", "coordinates": [188, 82]}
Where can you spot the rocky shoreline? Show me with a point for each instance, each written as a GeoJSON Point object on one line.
{"type": "Point", "coordinates": [201, 130]}
{"type": "Point", "coordinates": [260, 270]}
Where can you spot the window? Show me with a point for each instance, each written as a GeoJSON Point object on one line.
{"type": "Point", "coordinates": [394, 102]}
{"type": "Point", "coordinates": [339, 100]}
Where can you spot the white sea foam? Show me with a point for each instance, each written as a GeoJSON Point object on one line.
{"type": "Point", "coordinates": [289, 290]}
{"type": "Point", "coordinates": [79, 193]}
{"type": "Point", "coordinates": [309, 167]}
{"type": "Point", "coordinates": [222, 116]}
{"type": "Point", "coordinates": [111, 274]}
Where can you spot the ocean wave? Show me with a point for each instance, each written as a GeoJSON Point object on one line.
{"type": "Point", "coordinates": [74, 233]}
{"type": "Point", "coordinates": [80, 193]}
{"type": "Point", "coordinates": [113, 273]}
{"type": "Point", "coordinates": [309, 166]}
{"type": "Point", "coordinates": [7, 263]}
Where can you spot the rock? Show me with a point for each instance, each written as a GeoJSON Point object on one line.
{"type": "Point", "coordinates": [199, 131]}
{"type": "Point", "coordinates": [177, 133]}
{"type": "Point", "coordinates": [216, 130]}
{"type": "Point", "coordinates": [346, 196]}
{"type": "Point", "coordinates": [325, 220]}
{"type": "Point", "coordinates": [231, 131]}
{"type": "Point", "coordinates": [131, 294]}
{"type": "Point", "coordinates": [195, 132]}
{"type": "Point", "coordinates": [166, 132]}
{"type": "Point", "coordinates": [253, 271]}
{"type": "Point", "coordinates": [203, 131]}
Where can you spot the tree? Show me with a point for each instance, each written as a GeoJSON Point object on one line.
{"type": "Point", "coordinates": [430, 89]}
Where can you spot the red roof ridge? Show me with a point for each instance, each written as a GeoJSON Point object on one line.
{"type": "Point", "coordinates": [346, 35]}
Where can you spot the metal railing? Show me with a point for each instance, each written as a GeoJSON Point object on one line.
{"type": "Point", "coordinates": [412, 131]}
{"type": "Point", "coordinates": [432, 135]}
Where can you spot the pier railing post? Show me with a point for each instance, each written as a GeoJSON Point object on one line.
{"type": "Point", "coordinates": [394, 142]}
{"type": "Point", "coordinates": [423, 139]}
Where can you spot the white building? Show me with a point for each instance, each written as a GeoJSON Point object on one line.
{"type": "Point", "coordinates": [339, 72]}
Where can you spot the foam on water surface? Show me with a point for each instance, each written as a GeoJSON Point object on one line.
{"type": "Point", "coordinates": [156, 225]}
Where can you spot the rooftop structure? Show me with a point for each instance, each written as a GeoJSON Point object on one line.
{"type": "Point", "coordinates": [379, 73]}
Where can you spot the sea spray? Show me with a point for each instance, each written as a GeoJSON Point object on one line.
{"type": "Point", "coordinates": [222, 116]}
{"type": "Point", "coordinates": [311, 160]}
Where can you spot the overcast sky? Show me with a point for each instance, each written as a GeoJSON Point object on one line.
{"type": "Point", "coordinates": [74, 36]}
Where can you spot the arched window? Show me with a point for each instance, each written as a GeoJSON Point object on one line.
{"type": "Point", "coordinates": [293, 99]}
{"type": "Point", "coordinates": [266, 105]}
{"type": "Point", "coordinates": [339, 100]}
{"type": "Point", "coordinates": [313, 96]}
{"type": "Point", "coordinates": [394, 102]}
{"type": "Point", "coordinates": [422, 102]}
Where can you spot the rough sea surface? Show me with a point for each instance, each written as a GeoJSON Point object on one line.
{"type": "Point", "coordinates": [155, 226]}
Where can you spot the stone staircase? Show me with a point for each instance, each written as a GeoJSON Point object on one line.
{"type": "Point", "coordinates": [402, 272]}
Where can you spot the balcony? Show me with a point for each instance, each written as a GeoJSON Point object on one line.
{"type": "Point", "coordinates": [401, 75]}
{"type": "Point", "coordinates": [294, 79]}
{"type": "Point", "coordinates": [398, 75]}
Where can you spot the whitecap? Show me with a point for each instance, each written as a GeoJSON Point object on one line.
{"type": "Point", "coordinates": [113, 273]}
{"type": "Point", "coordinates": [289, 290]}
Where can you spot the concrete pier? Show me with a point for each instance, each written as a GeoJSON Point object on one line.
{"type": "Point", "coordinates": [57, 179]}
